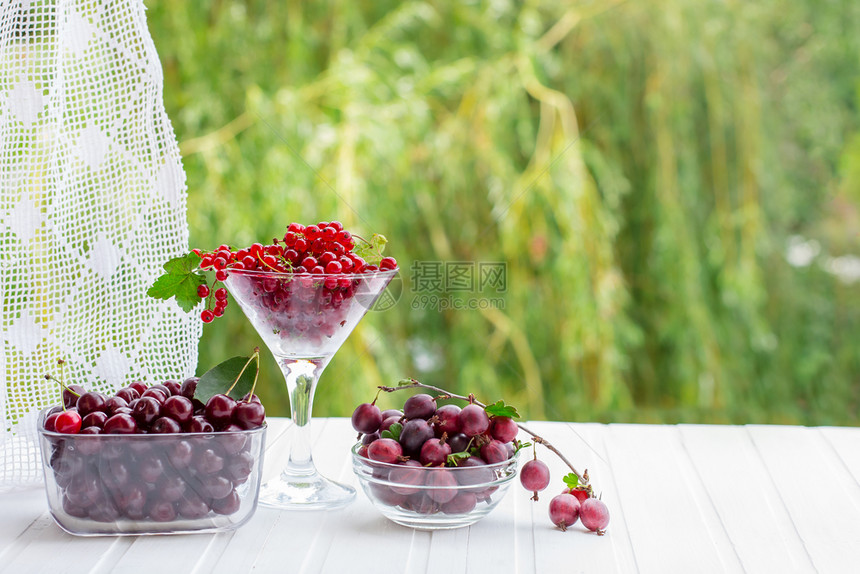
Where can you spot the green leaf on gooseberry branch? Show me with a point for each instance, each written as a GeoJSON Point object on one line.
{"type": "Point", "coordinates": [393, 431]}
{"type": "Point", "coordinates": [500, 409]}
{"type": "Point", "coordinates": [180, 281]}
{"type": "Point", "coordinates": [518, 446]}
{"type": "Point", "coordinates": [219, 378]}
{"type": "Point", "coordinates": [406, 382]}
{"type": "Point", "coordinates": [571, 480]}
{"type": "Point", "coordinates": [455, 457]}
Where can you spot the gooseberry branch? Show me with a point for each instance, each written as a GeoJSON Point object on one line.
{"type": "Point", "coordinates": [414, 384]}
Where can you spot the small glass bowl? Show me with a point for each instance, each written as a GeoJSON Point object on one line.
{"type": "Point", "coordinates": [433, 498]}
{"type": "Point", "coordinates": [111, 484]}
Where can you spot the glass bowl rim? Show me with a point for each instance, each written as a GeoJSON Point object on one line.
{"type": "Point", "coordinates": [390, 466]}
{"type": "Point", "coordinates": [138, 436]}
{"type": "Point", "coordinates": [294, 274]}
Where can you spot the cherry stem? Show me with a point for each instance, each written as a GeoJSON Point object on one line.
{"type": "Point", "coordinates": [256, 355]}
{"type": "Point", "coordinates": [583, 479]}
{"type": "Point", "coordinates": [62, 384]}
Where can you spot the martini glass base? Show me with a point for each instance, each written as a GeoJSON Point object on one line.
{"type": "Point", "coordinates": [309, 492]}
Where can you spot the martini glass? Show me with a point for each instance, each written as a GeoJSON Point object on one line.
{"type": "Point", "coordinates": [304, 319]}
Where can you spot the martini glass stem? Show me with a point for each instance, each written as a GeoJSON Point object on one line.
{"type": "Point", "coordinates": [301, 376]}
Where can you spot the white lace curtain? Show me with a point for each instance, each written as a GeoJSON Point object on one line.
{"type": "Point", "coordinates": [92, 201]}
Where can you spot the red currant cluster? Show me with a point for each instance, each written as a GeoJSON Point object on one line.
{"type": "Point", "coordinates": [104, 476]}
{"type": "Point", "coordinates": [323, 249]}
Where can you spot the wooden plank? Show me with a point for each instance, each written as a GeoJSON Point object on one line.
{"type": "Point", "coordinates": [821, 495]}
{"type": "Point", "coordinates": [745, 497]}
{"type": "Point", "coordinates": [270, 539]}
{"type": "Point", "coordinates": [846, 442]}
{"type": "Point", "coordinates": [20, 509]}
{"type": "Point", "coordinates": [672, 524]}
{"type": "Point", "coordinates": [585, 447]}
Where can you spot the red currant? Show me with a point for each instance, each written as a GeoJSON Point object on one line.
{"type": "Point", "coordinates": [338, 226]}
{"type": "Point", "coordinates": [220, 275]}
{"type": "Point", "coordinates": [312, 232]}
{"type": "Point", "coordinates": [220, 294]}
{"type": "Point", "coordinates": [388, 263]}
{"type": "Point", "coordinates": [329, 233]}
{"type": "Point", "coordinates": [203, 291]}
{"type": "Point", "coordinates": [309, 262]}
{"type": "Point", "coordinates": [301, 245]}
{"type": "Point", "coordinates": [333, 266]}
{"type": "Point", "coordinates": [296, 228]}
{"type": "Point", "coordinates": [207, 316]}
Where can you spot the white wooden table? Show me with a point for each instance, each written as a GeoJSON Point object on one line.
{"type": "Point", "coordinates": [682, 499]}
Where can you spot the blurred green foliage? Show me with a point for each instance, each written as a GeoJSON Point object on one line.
{"type": "Point", "coordinates": [642, 167]}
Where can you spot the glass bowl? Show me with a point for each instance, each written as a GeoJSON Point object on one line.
{"type": "Point", "coordinates": [111, 484]}
{"type": "Point", "coordinates": [433, 498]}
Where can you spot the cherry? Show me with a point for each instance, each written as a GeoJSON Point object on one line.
{"type": "Point", "coordinates": [94, 419]}
{"type": "Point", "coordinates": [90, 402]}
{"type": "Point", "coordinates": [156, 393]}
{"type": "Point", "coordinates": [146, 410]}
{"type": "Point", "coordinates": [173, 387]}
{"type": "Point", "coordinates": [68, 422]}
{"type": "Point", "coordinates": [71, 393]}
{"type": "Point", "coordinates": [199, 424]}
{"type": "Point", "coordinates": [228, 504]}
{"type": "Point", "coordinates": [162, 511]}
{"type": "Point", "coordinates": [219, 409]}
{"type": "Point", "coordinates": [188, 387]}
{"type": "Point", "coordinates": [164, 425]}
{"type": "Point", "coordinates": [178, 408]}
{"type": "Point", "coordinates": [249, 414]}
{"type": "Point", "coordinates": [121, 424]}
{"type": "Point", "coordinates": [50, 422]}
{"type": "Point", "coordinates": [138, 386]}
{"type": "Point", "coordinates": [118, 402]}
{"type": "Point", "coordinates": [192, 507]}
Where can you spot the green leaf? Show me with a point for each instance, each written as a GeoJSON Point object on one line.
{"type": "Point", "coordinates": [521, 445]}
{"type": "Point", "coordinates": [405, 382]}
{"type": "Point", "coordinates": [183, 264]}
{"type": "Point", "coordinates": [221, 377]}
{"type": "Point", "coordinates": [571, 480]}
{"type": "Point", "coordinates": [500, 409]}
{"type": "Point", "coordinates": [180, 282]}
{"type": "Point", "coordinates": [456, 457]}
{"type": "Point", "coordinates": [393, 431]}
{"type": "Point", "coordinates": [371, 251]}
